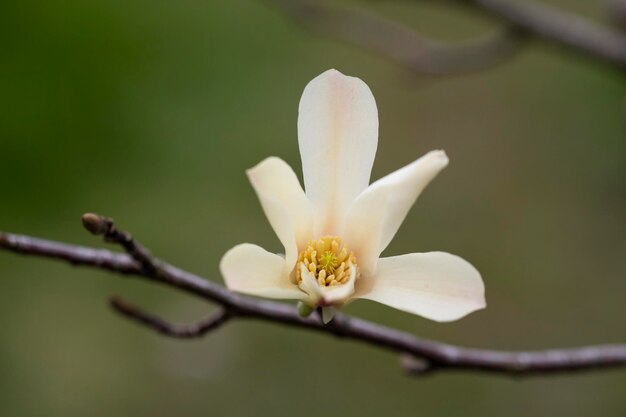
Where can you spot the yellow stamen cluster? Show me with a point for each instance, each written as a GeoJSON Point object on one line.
{"type": "Point", "coordinates": [328, 260]}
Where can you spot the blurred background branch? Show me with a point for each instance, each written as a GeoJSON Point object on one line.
{"type": "Point", "coordinates": [419, 53]}
{"type": "Point", "coordinates": [617, 12]}
{"type": "Point", "coordinates": [559, 26]}
{"type": "Point", "coordinates": [399, 42]}
{"type": "Point", "coordinates": [420, 355]}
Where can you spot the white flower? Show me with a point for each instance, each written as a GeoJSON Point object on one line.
{"type": "Point", "coordinates": [335, 232]}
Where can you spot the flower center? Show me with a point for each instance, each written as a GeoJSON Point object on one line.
{"type": "Point", "coordinates": [328, 260]}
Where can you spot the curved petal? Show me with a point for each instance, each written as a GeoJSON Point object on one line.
{"type": "Point", "coordinates": [250, 269]}
{"type": "Point", "coordinates": [310, 286]}
{"type": "Point", "coordinates": [318, 295]}
{"type": "Point", "coordinates": [284, 203]}
{"type": "Point", "coordinates": [338, 135]}
{"type": "Point", "coordinates": [435, 285]}
{"type": "Point", "coordinates": [377, 213]}
{"type": "Point", "coordinates": [340, 294]}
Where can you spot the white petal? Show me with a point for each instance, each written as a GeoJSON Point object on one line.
{"type": "Point", "coordinates": [310, 286]}
{"type": "Point", "coordinates": [323, 295]}
{"type": "Point", "coordinates": [378, 212]}
{"type": "Point", "coordinates": [340, 294]}
{"type": "Point", "coordinates": [338, 135]}
{"type": "Point", "coordinates": [435, 285]}
{"type": "Point", "coordinates": [250, 269]}
{"type": "Point", "coordinates": [284, 203]}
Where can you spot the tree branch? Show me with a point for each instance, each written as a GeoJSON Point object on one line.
{"type": "Point", "coordinates": [617, 12]}
{"type": "Point", "coordinates": [104, 226]}
{"type": "Point", "coordinates": [401, 43]}
{"type": "Point", "coordinates": [189, 331]}
{"type": "Point", "coordinates": [421, 54]}
{"type": "Point", "coordinates": [561, 27]}
{"type": "Point", "coordinates": [426, 355]}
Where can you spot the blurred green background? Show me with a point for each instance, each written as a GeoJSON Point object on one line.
{"type": "Point", "coordinates": [150, 111]}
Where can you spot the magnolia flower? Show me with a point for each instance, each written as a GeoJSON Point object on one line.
{"type": "Point", "coordinates": [334, 233]}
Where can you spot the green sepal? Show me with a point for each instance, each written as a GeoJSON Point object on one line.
{"type": "Point", "coordinates": [304, 309]}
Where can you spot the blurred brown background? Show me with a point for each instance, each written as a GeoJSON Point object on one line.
{"type": "Point", "coordinates": [150, 111]}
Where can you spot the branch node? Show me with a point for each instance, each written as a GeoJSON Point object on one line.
{"type": "Point", "coordinates": [101, 225]}
{"type": "Point", "coordinates": [414, 366]}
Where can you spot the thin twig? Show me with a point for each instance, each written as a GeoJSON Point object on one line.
{"type": "Point", "coordinates": [76, 255]}
{"type": "Point", "coordinates": [104, 226]}
{"type": "Point", "coordinates": [434, 355]}
{"type": "Point", "coordinates": [180, 331]}
{"type": "Point", "coordinates": [400, 43]}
